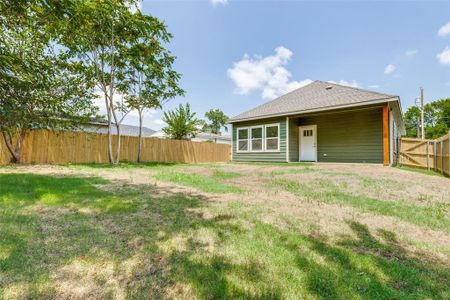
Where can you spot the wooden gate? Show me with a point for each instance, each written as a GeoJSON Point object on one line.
{"type": "Point", "coordinates": [426, 154]}
{"type": "Point", "coordinates": [417, 153]}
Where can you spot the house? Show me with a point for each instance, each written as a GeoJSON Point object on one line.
{"type": "Point", "coordinates": [321, 122]}
{"type": "Point", "coordinates": [213, 138]}
{"type": "Point", "coordinates": [201, 137]}
{"type": "Point", "coordinates": [100, 126]}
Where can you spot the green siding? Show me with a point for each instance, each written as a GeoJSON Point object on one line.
{"type": "Point", "coordinates": [342, 136]}
{"type": "Point", "coordinates": [293, 140]}
{"type": "Point", "coordinates": [261, 156]}
{"type": "Point", "coordinates": [348, 136]}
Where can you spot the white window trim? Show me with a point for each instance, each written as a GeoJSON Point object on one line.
{"type": "Point", "coordinates": [262, 138]}
{"type": "Point", "coordinates": [237, 139]}
{"type": "Point", "coordinates": [265, 137]}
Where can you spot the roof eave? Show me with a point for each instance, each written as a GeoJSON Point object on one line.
{"type": "Point", "coordinates": [384, 100]}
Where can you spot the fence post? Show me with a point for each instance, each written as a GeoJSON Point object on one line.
{"type": "Point", "coordinates": [428, 155]}
{"type": "Point", "coordinates": [442, 153]}
{"type": "Point", "coordinates": [435, 156]}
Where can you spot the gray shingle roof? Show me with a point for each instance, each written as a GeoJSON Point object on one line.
{"type": "Point", "coordinates": [316, 95]}
{"type": "Point", "coordinates": [125, 130]}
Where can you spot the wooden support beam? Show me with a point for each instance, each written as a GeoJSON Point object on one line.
{"type": "Point", "coordinates": [385, 135]}
{"type": "Point", "coordinates": [435, 156]}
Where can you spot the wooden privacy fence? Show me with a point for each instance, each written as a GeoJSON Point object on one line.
{"type": "Point", "coordinates": [426, 154]}
{"type": "Point", "coordinates": [47, 147]}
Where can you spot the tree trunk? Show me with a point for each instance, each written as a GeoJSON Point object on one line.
{"type": "Point", "coordinates": [117, 124]}
{"type": "Point", "coordinates": [110, 152]}
{"type": "Point", "coordinates": [140, 136]}
{"type": "Point", "coordinates": [118, 144]}
{"type": "Point", "coordinates": [17, 150]}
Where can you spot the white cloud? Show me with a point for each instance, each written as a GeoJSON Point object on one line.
{"type": "Point", "coordinates": [345, 82]}
{"type": "Point", "coordinates": [267, 74]}
{"type": "Point", "coordinates": [444, 30]}
{"type": "Point", "coordinates": [158, 122]}
{"type": "Point", "coordinates": [389, 69]}
{"type": "Point", "coordinates": [411, 53]}
{"type": "Point", "coordinates": [444, 56]}
{"type": "Point", "coordinates": [373, 86]}
{"type": "Point", "coordinates": [218, 2]}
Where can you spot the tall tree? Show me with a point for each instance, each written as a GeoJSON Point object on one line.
{"type": "Point", "coordinates": [217, 120]}
{"type": "Point", "coordinates": [437, 117]}
{"type": "Point", "coordinates": [436, 122]}
{"type": "Point", "coordinates": [412, 121]}
{"type": "Point", "coordinates": [181, 123]}
{"type": "Point", "coordinates": [149, 80]}
{"type": "Point", "coordinates": [38, 86]}
{"type": "Point", "coordinates": [98, 35]}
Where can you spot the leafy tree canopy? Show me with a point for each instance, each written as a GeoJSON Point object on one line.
{"type": "Point", "coordinates": [39, 87]}
{"type": "Point", "coordinates": [217, 120]}
{"type": "Point", "coordinates": [182, 124]}
{"type": "Point", "coordinates": [436, 119]}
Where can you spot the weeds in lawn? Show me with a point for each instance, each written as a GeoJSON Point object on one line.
{"type": "Point", "coordinates": [200, 182]}
{"type": "Point", "coordinates": [222, 175]}
{"type": "Point", "coordinates": [370, 182]}
{"type": "Point", "coordinates": [325, 191]}
{"type": "Point", "coordinates": [421, 171]}
{"type": "Point", "coordinates": [440, 210]}
{"type": "Point", "coordinates": [302, 170]}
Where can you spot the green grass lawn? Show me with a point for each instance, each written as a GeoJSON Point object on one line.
{"type": "Point", "coordinates": [203, 183]}
{"type": "Point", "coordinates": [419, 170]}
{"type": "Point", "coordinates": [85, 236]}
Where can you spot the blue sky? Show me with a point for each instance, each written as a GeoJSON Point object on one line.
{"type": "Point", "coordinates": [235, 55]}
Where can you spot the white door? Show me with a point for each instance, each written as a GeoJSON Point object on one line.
{"type": "Point", "coordinates": [308, 142]}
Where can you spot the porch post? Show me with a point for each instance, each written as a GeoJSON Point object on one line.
{"type": "Point", "coordinates": [385, 135]}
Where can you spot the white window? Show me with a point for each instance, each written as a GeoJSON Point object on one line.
{"type": "Point", "coordinates": [272, 137]}
{"type": "Point", "coordinates": [256, 138]}
{"type": "Point", "coordinates": [242, 140]}
{"type": "Point", "coordinates": [307, 132]}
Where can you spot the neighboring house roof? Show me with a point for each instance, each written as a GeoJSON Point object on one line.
{"type": "Point", "coordinates": [318, 95]}
{"type": "Point", "coordinates": [198, 136]}
{"type": "Point", "coordinates": [159, 134]}
{"type": "Point", "coordinates": [212, 136]}
{"type": "Point", "coordinates": [126, 130]}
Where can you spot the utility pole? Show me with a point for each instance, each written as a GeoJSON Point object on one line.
{"type": "Point", "coordinates": [418, 127]}
{"type": "Point", "coordinates": [422, 134]}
